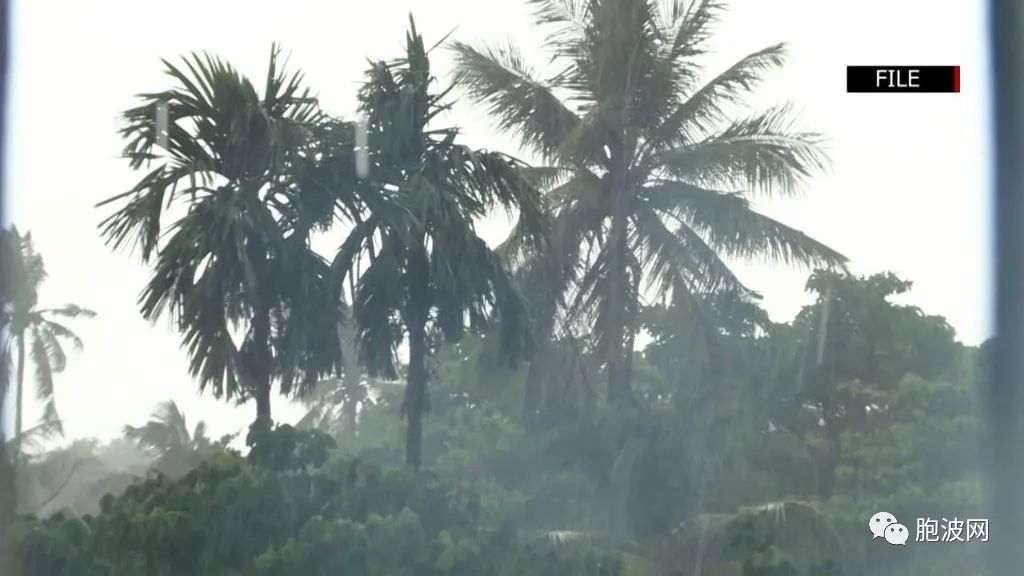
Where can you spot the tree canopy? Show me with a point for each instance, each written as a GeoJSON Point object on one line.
{"type": "Point", "coordinates": [650, 179]}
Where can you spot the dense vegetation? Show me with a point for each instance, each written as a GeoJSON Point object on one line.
{"type": "Point", "coordinates": [280, 511]}
{"type": "Point", "coordinates": [599, 395]}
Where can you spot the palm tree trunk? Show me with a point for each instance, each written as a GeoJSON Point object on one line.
{"type": "Point", "coordinates": [539, 365]}
{"type": "Point", "coordinates": [263, 400]}
{"type": "Point", "coordinates": [8, 505]}
{"type": "Point", "coordinates": [260, 368]}
{"type": "Point", "coordinates": [415, 395]}
{"type": "Point", "coordinates": [351, 380]}
{"type": "Point", "coordinates": [350, 410]}
{"type": "Point", "coordinates": [534, 385]}
{"type": "Point", "coordinates": [618, 376]}
{"type": "Point", "coordinates": [832, 457]}
{"type": "Point", "coordinates": [20, 405]}
{"type": "Point", "coordinates": [260, 358]}
{"type": "Point", "coordinates": [8, 494]}
{"type": "Point", "coordinates": [417, 310]}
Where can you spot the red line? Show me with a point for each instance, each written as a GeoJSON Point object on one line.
{"type": "Point", "coordinates": [956, 78]}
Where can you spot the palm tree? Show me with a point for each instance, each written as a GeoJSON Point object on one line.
{"type": "Point", "coordinates": [167, 437]}
{"type": "Point", "coordinates": [37, 333]}
{"type": "Point", "coordinates": [427, 271]}
{"type": "Point", "coordinates": [225, 220]}
{"type": "Point", "coordinates": [651, 183]}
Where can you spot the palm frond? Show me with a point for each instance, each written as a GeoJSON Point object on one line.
{"type": "Point", "coordinates": [378, 297]}
{"type": "Point", "coordinates": [35, 438]}
{"type": "Point", "coordinates": [522, 104]}
{"type": "Point", "coordinates": [47, 358]}
{"type": "Point", "coordinates": [687, 26]}
{"type": "Point", "coordinates": [23, 270]}
{"type": "Point", "coordinates": [681, 260]}
{"type": "Point", "coordinates": [761, 154]}
{"type": "Point", "coordinates": [69, 311]}
{"type": "Point", "coordinates": [730, 224]}
{"type": "Point", "coordinates": [58, 332]}
{"type": "Point", "coordinates": [565, 19]}
{"type": "Point", "coordinates": [702, 110]}
{"type": "Point", "coordinates": [166, 430]}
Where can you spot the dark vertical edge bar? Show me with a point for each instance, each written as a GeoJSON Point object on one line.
{"type": "Point", "coordinates": [956, 79]}
{"type": "Point", "coordinates": [7, 492]}
{"type": "Point", "coordinates": [1006, 402]}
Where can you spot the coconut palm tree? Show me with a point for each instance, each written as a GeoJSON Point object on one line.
{"type": "Point", "coordinates": [224, 219]}
{"type": "Point", "coordinates": [651, 175]}
{"type": "Point", "coordinates": [37, 334]}
{"type": "Point", "coordinates": [427, 272]}
{"type": "Point", "coordinates": [167, 437]}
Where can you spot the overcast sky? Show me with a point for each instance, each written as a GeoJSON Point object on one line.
{"type": "Point", "coordinates": [909, 189]}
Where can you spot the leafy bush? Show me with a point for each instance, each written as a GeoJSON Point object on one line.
{"type": "Point", "coordinates": [280, 510]}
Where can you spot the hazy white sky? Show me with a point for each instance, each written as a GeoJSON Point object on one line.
{"type": "Point", "coordinates": [909, 190]}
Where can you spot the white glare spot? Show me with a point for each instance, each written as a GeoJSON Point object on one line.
{"type": "Point", "coordinates": [362, 153]}
{"type": "Point", "coordinates": [161, 123]}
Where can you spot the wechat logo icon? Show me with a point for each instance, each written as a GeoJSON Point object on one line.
{"type": "Point", "coordinates": [884, 525]}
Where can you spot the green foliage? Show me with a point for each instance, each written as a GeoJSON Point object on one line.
{"type": "Point", "coordinates": [278, 511]}
{"type": "Point", "coordinates": [286, 449]}
{"type": "Point", "coordinates": [724, 422]}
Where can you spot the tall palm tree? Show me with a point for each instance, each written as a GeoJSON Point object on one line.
{"type": "Point", "coordinates": [225, 218]}
{"type": "Point", "coordinates": [167, 437]}
{"type": "Point", "coordinates": [38, 334]}
{"type": "Point", "coordinates": [426, 270]}
{"type": "Point", "coordinates": [651, 181]}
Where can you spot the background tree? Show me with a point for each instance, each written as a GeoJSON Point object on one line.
{"type": "Point", "coordinates": [37, 334]}
{"type": "Point", "coordinates": [858, 349]}
{"type": "Point", "coordinates": [167, 437]}
{"type": "Point", "coordinates": [72, 478]}
{"type": "Point", "coordinates": [651, 180]}
{"type": "Point", "coordinates": [232, 195]}
{"type": "Point", "coordinates": [427, 270]}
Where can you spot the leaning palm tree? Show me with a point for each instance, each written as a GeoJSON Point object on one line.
{"type": "Point", "coordinates": [167, 437]}
{"type": "Point", "coordinates": [225, 218]}
{"type": "Point", "coordinates": [427, 272]}
{"type": "Point", "coordinates": [651, 181]}
{"type": "Point", "coordinates": [38, 334]}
